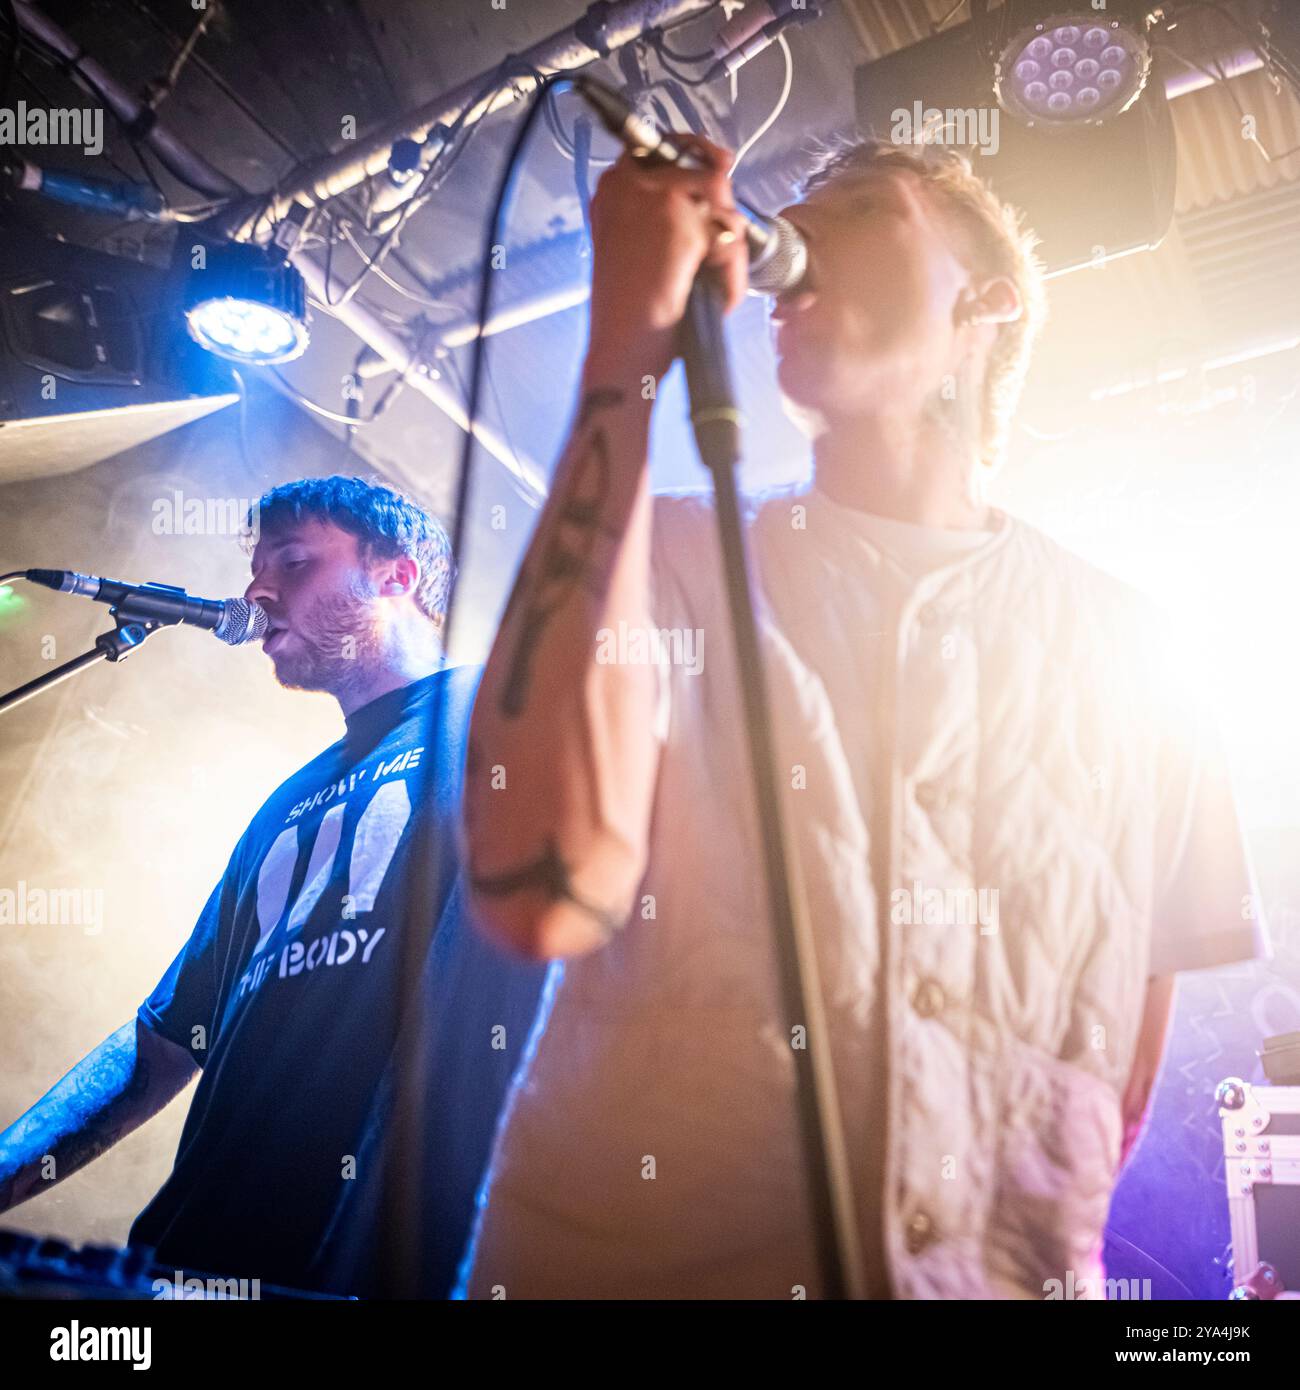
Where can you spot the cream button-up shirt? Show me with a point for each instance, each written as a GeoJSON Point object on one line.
{"type": "Point", "coordinates": [1006, 821]}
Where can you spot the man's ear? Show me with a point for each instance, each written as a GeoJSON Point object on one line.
{"type": "Point", "coordinates": [400, 576]}
{"type": "Point", "coordinates": [991, 301]}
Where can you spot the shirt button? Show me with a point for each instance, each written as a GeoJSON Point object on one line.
{"type": "Point", "coordinates": [919, 1232]}
{"type": "Point", "coordinates": [929, 998]}
{"type": "Point", "coordinates": [931, 615]}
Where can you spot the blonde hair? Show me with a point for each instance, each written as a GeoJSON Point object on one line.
{"type": "Point", "coordinates": [997, 243]}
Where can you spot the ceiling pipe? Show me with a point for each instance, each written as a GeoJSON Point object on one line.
{"type": "Point", "coordinates": [322, 179]}
{"type": "Point", "coordinates": [368, 326]}
{"type": "Point", "coordinates": [178, 159]}
{"type": "Point", "coordinates": [603, 29]}
{"type": "Point", "coordinates": [420, 376]}
{"type": "Point", "coordinates": [600, 31]}
{"type": "Point", "coordinates": [552, 301]}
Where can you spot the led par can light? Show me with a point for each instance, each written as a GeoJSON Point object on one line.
{"type": "Point", "coordinates": [247, 304]}
{"type": "Point", "coordinates": [1079, 67]}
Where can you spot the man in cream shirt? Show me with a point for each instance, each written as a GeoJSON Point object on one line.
{"type": "Point", "coordinates": [959, 705]}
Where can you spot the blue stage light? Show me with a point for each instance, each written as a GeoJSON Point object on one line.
{"type": "Point", "coordinates": [247, 305]}
{"type": "Point", "coordinates": [245, 331]}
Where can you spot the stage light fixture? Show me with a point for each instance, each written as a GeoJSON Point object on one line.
{"type": "Point", "coordinates": [1072, 68]}
{"type": "Point", "coordinates": [247, 304]}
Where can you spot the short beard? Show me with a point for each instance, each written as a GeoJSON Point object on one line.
{"type": "Point", "coordinates": [338, 643]}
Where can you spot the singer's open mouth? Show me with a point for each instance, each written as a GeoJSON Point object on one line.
{"type": "Point", "coordinates": [786, 306]}
{"type": "Point", "coordinates": [272, 633]}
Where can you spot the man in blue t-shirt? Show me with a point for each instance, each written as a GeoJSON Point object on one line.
{"type": "Point", "coordinates": [285, 999]}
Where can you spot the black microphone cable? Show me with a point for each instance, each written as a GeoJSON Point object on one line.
{"type": "Point", "coordinates": [402, 1191]}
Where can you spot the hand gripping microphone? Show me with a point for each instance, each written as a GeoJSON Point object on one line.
{"type": "Point", "coordinates": [234, 620]}
{"type": "Point", "coordinates": [778, 254]}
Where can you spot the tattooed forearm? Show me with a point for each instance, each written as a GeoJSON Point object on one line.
{"type": "Point", "coordinates": [103, 1098]}
{"type": "Point", "coordinates": [576, 519]}
{"type": "Point", "coordinates": [550, 875]}
{"type": "Point", "coordinates": [74, 1122]}
{"type": "Point", "coordinates": [581, 763]}
{"type": "Point", "coordinates": [110, 1121]}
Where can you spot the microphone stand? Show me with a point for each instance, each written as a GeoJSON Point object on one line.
{"type": "Point", "coordinates": [109, 646]}
{"type": "Point", "coordinates": [716, 422]}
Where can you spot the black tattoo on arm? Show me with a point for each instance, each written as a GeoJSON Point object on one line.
{"type": "Point", "coordinates": [111, 1122]}
{"type": "Point", "coordinates": [105, 1096]}
{"type": "Point", "coordinates": [548, 873]}
{"type": "Point", "coordinates": [597, 399]}
{"type": "Point", "coordinates": [83, 1116]}
{"type": "Point", "coordinates": [565, 557]}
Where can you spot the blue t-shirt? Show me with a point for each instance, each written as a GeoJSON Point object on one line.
{"type": "Point", "coordinates": [287, 995]}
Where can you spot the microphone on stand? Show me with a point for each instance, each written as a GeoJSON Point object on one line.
{"type": "Point", "coordinates": [778, 264]}
{"type": "Point", "coordinates": [233, 620]}
{"type": "Point", "coordinates": [778, 254]}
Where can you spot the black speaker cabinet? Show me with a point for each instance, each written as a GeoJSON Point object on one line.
{"type": "Point", "coordinates": [1091, 193]}
{"type": "Point", "coordinates": [94, 357]}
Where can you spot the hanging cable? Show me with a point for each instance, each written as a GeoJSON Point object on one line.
{"type": "Point", "coordinates": [71, 66]}
{"type": "Point", "coordinates": [1220, 78]}
{"type": "Point", "coordinates": [441, 164]}
{"type": "Point", "coordinates": [335, 416]}
{"type": "Point", "coordinates": [376, 269]}
{"type": "Point", "coordinates": [403, 1177]}
{"type": "Point", "coordinates": [483, 313]}
{"type": "Point", "coordinates": [529, 499]}
{"type": "Point", "coordinates": [564, 142]}
{"type": "Point", "coordinates": [661, 53]}
{"type": "Point", "coordinates": [581, 171]}
{"type": "Point", "coordinates": [776, 110]}
{"type": "Point", "coordinates": [1278, 63]}
{"type": "Point", "coordinates": [939, 24]}
{"type": "Point", "coordinates": [158, 91]}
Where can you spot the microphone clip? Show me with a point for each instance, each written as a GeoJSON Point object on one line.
{"type": "Point", "coordinates": [128, 633]}
{"type": "Point", "coordinates": [122, 611]}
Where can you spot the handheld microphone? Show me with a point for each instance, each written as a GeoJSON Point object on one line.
{"type": "Point", "coordinates": [233, 620]}
{"type": "Point", "coordinates": [778, 254]}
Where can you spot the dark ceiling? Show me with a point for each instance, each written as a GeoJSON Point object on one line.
{"type": "Point", "coordinates": [271, 83]}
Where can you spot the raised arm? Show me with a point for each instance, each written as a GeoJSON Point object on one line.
{"type": "Point", "coordinates": [127, 1079]}
{"type": "Point", "coordinates": [562, 754]}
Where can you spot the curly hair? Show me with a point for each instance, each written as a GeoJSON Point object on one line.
{"type": "Point", "coordinates": [996, 242]}
{"type": "Point", "coordinates": [386, 523]}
